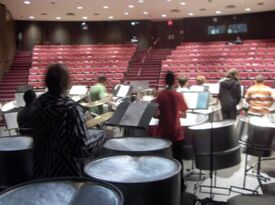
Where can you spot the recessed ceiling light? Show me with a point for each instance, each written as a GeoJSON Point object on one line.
{"type": "Point", "coordinates": [58, 17]}
{"type": "Point", "coordinates": [182, 3]}
{"type": "Point", "coordinates": [218, 12]}
{"type": "Point", "coordinates": [105, 7]}
{"type": "Point", "coordinates": [131, 6]}
{"type": "Point", "coordinates": [79, 7]}
{"type": "Point", "coordinates": [85, 17]}
{"type": "Point", "coordinates": [140, 1]}
{"type": "Point", "coordinates": [145, 13]}
{"type": "Point", "coordinates": [126, 13]}
{"type": "Point", "coordinates": [31, 17]}
{"type": "Point", "coordinates": [27, 2]}
{"type": "Point", "coordinates": [110, 17]}
{"type": "Point", "coordinates": [163, 15]}
{"type": "Point", "coordinates": [191, 14]}
{"type": "Point", "coordinates": [168, 0]}
{"type": "Point", "coordinates": [248, 9]}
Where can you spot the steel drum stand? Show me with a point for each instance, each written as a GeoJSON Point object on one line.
{"type": "Point", "coordinates": [256, 173]}
{"type": "Point", "coordinates": [212, 173]}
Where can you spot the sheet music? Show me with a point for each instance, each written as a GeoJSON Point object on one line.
{"type": "Point", "coordinates": [19, 100]}
{"type": "Point", "coordinates": [123, 91]}
{"type": "Point", "coordinates": [196, 100]}
{"type": "Point", "coordinates": [133, 114]}
{"type": "Point", "coordinates": [213, 88]}
{"type": "Point", "coordinates": [191, 99]}
{"type": "Point", "coordinates": [11, 120]}
{"type": "Point", "coordinates": [78, 90]}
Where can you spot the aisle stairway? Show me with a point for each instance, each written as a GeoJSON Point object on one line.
{"type": "Point", "coordinates": [146, 65]}
{"type": "Point", "coordinates": [17, 75]}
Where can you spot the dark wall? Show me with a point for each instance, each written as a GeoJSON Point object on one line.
{"type": "Point", "coordinates": [7, 39]}
{"type": "Point", "coordinates": [260, 26]}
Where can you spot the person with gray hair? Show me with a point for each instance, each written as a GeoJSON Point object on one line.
{"type": "Point", "coordinates": [230, 94]}
{"type": "Point", "coordinates": [259, 97]}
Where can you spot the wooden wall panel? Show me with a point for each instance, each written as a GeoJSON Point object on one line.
{"type": "Point", "coordinates": [260, 26]}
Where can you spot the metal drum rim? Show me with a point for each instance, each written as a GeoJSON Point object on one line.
{"type": "Point", "coordinates": [140, 182]}
{"type": "Point", "coordinates": [169, 144]}
{"type": "Point", "coordinates": [212, 125]}
{"type": "Point", "coordinates": [105, 184]}
{"type": "Point", "coordinates": [18, 136]}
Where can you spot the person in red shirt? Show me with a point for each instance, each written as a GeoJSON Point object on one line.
{"type": "Point", "coordinates": [171, 108]}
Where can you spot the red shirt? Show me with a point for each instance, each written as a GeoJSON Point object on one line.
{"type": "Point", "coordinates": [171, 105]}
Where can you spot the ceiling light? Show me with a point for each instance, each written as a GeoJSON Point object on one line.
{"type": "Point", "coordinates": [58, 18]}
{"type": "Point", "coordinates": [248, 9]}
{"type": "Point", "coordinates": [191, 14]}
{"type": "Point", "coordinates": [85, 17]}
{"type": "Point", "coordinates": [131, 6]}
{"type": "Point", "coordinates": [168, 0]}
{"type": "Point", "coordinates": [110, 17]}
{"type": "Point", "coordinates": [145, 13]}
{"type": "Point", "coordinates": [163, 15]}
{"type": "Point", "coordinates": [140, 1]}
{"type": "Point", "coordinates": [105, 7]}
{"type": "Point", "coordinates": [182, 3]}
{"type": "Point", "coordinates": [27, 2]}
{"type": "Point", "coordinates": [31, 17]}
{"type": "Point", "coordinates": [218, 12]}
{"type": "Point", "coordinates": [79, 7]}
{"type": "Point", "coordinates": [126, 13]}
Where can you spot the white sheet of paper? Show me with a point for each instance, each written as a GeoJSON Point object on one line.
{"type": "Point", "coordinates": [123, 91]}
{"type": "Point", "coordinates": [11, 120]}
{"type": "Point", "coordinates": [214, 88]}
{"type": "Point", "coordinates": [191, 99]}
{"type": "Point", "coordinates": [19, 100]}
{"type": "Point", "coordinates": [78, 90]}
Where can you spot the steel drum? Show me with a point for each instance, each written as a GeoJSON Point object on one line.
{"type": "Point", "coordinates": [143, 180]}
{"type": "Point", "coordinates": [62, 192]}
{"type": "Point", "coordinates": [256, 134]}
{"type": "Point", "coordinates": [137, 146]}
{"type": "Point", "coordinates": [15, 160]}
{"type": "Point", "coordinates": [225, 145]}
{"type": "Point", "coordinates": [190, 120]}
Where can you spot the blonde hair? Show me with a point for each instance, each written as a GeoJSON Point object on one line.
{"type": "Point", "coordinates": [200, 79]}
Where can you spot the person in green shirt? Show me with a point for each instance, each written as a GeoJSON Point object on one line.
{"type": "Point", "coordinates": [98, 92]}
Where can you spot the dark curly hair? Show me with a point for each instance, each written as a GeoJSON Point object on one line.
{"type": "Point", "coordinates": [57, 79]}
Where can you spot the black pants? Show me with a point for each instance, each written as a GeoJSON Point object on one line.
{"type": "Point", "coordinates": [229, 114]}
{"type": "Point", "coordinates": [177, 154]}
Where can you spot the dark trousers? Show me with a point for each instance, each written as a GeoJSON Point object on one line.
{"type": "Point", "coordinates": [177, 154]}
{"type": "Point", "coordinates": [229, 114]}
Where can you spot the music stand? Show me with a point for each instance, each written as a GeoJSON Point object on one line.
{"type": "Point", "coordinates": [77, 92]}
{"type": "Point", "coordinates": [122, 91]}
{"type": "Point", "coordinates": [133, 115]}
{"type": "Point", "coordinates": [10, 118]}
{"type": "Point", "coordinates": [139, 85]}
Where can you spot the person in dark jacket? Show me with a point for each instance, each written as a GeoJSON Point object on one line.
{"type": "Point", "coordinates": [230, 94]}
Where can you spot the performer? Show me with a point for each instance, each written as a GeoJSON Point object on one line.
{"type": "Point", "coordinates": [98, 92]}
{"type": "Point", "coordinates": [171, 108]}
{"type": "Point", "coordinates": [259, 97]}
{"type": "Point", "coordinates": [60, 135]}
{"type": "Point", "coordinates": [25, 114]}
{"type": "Point", "coordinates": [230, 94]}
{"type": "Point", "coordinates": [183, 84]}
{"type": "Point", "coordinates": [200, 80]}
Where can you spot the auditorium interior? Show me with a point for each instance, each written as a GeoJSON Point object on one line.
{"type": "Point", "coordinates": [120, 57]}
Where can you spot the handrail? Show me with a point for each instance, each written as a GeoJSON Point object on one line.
{"type": "Point", "coordinates": [147, 51]}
